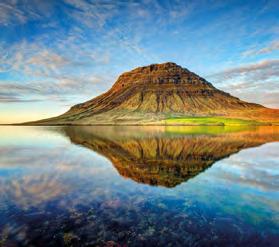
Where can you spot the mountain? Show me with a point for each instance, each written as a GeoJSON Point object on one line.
{"type": "Point", "coordinates": [157, 156]}
{"type": "Point", "coordinates": [156, 92]}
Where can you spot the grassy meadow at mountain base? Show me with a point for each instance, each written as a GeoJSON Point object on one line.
{"type": "Point", "coordinates": [219, 121]}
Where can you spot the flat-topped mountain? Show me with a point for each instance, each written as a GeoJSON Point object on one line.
{"type": "Point", "coordinates": [153, 93]}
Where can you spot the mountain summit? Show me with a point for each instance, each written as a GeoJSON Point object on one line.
{"type": "Point", "coordinates": [153, 93]}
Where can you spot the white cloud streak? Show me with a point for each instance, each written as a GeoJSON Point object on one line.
{"type": "Point", "coordinates": [262, 70]}
{"type": "Point", "coordinates": [274, 46]}
{"type": "Point", "coordinates": [257, 82]}
{"type": "Point", "coordinates": [14, 12]}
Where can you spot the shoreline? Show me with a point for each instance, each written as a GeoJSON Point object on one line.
{"type": "Point", "coordinates": [191, 125]}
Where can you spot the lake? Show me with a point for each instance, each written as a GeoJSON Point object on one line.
{"type": "Point", "coordinates": [139, 186]}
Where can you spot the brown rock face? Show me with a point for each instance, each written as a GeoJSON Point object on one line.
{"type": "Point", "coordinates": [162, 88]}
{"type": "Point", "coordinates": [159, 74]}
{"type": "Point", "coordinates": [154, 92]}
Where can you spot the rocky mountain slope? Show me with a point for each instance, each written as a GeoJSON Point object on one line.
{"type": "Point", "coordinates": [152, 93]}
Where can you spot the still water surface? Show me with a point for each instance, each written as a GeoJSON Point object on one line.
{"type": "Point", "coordinates": [139, 186]}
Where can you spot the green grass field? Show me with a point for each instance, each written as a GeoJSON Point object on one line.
{"type": "Point", "coordinates": [219, 121]}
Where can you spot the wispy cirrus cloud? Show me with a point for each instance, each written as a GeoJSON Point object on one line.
{"type": "Point", "coordinates": [16, 99]}
{"type": "Point", "coordinates": [30, 58]}
{"type": "Point", "coordinates": [265, 93]}
{"type": "Point", "coordinates": [10, 13]}
{"type": "Point", "coordinates": [61, 89]}
{"type": "Point", "coordinates": [92, 13]}
{"type": "Point", "coordinates": [273, 46]}
{"type": "Point", "coordinates": [257, 82]}
{"type": "Point", "coordinates": [261, 70]}
{"type": "Point", "coordinates": [57, 73]}
{"type": "Point", "coordinates": [13, 12]}
{"type": "Point", "coordinates": [96, 13]}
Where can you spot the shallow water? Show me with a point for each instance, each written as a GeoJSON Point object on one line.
{"type": "Point", "coordinates": [139, 186]}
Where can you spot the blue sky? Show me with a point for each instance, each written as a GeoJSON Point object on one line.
{"type": "Point", "coordinates": [58, 53]}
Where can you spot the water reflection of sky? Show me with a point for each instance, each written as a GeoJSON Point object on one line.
{"type": "Point", "coordinates": [46, 182]}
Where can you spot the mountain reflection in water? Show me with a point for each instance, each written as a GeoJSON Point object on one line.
{"type": "Point", "coordinates": [68, 186]}
{"type": "Point", "coordinates": [167, 156]}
